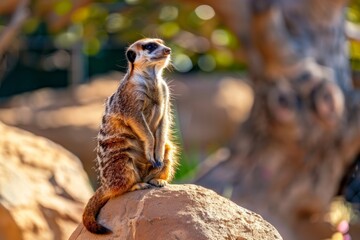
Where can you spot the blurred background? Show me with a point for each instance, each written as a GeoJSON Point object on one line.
{"type": "Point", "coordinates": [67, 56]}
{"type": "Point", "coordinates": [60, 59]}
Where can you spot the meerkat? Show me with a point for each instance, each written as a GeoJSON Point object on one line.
{"type": "Point", "coordinates": [135, 150]}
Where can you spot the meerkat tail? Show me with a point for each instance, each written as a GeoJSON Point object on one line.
{"type": "Point", "coordinates": [91, 211]}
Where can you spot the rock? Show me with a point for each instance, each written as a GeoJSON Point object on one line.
{"type": "Point", "coordinates": [69, 117]}
{"type": "Point", "coordinates": [182, 212]}
{"type": "Point", "coordinates": [43, 187]}
{"type": "Point", "coordinates": [208, 108]}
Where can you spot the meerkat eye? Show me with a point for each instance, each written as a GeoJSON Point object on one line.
{"type": "Point", "coordinates": [150, 46]}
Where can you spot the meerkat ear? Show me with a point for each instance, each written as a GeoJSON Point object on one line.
{"type": "Point", "coordinates": [131, 55]}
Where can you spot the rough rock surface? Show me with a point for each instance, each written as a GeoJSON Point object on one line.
{"type": "Point", "coordinates": [181, 212]}
{"type": "Point", "coordinates": [43, 188]}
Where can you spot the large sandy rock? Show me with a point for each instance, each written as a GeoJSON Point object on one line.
{"type": "Point", "coordinates": [43, 188]}
{"type": "Point", "coordinates": [208, 108]}
{"type": "Point", "coordinates": [181, 212]}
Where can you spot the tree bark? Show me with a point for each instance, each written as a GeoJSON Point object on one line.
{"type": "Point", "coordinates": [303, 131]}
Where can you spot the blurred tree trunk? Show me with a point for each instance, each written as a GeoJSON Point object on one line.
{"type": "Point", "coordinates": [10, 32]}
{"type": "Point", "coordinates": [289, 158]}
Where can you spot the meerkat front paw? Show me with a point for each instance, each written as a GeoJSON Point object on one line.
{"type": "Point", "coordinates": [150, 157]}
{"type": "Point", "coordinates": [158, 163]}
{"type": "Point", "coordinates": [158, 182]}
{"type": "Point", "coordinates": [159, 160]}
{"type": "Point", "coordinates": [140, 186]}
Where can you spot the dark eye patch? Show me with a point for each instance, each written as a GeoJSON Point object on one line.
{"type": "Point", "coordinates": [150, 46]}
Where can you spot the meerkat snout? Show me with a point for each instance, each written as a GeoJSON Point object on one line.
{"type": "Point", "coordinates": [166, 51]}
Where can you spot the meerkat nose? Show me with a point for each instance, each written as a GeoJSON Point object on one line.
{"type": "Point", "coordinates": [167, 51]}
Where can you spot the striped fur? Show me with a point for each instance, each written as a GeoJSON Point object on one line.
{"type": "Point", "coordinates": [134, 148]}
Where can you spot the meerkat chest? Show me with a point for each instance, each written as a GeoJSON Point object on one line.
{"type": "Point", "coordinates": [153, 95]}
{"type": "Point", "coordinates": [154, 107]}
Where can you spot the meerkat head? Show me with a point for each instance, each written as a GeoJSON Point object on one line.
{"type": "Point", "coordinates": [148, 52]}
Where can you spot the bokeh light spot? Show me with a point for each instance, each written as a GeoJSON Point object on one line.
{"type": "Point", "coordinates": [66, 40]}
{"type": "Point", "coordinates": [169, 29]}
{"type": "Point", "coordinates": [353, 15]}
{"type": "Point", "coordinates": [182, 63]}
{"type": "Point", "coordinates": [115, 22]}
{"type": "Point", "coordinates": [205, 12]}
{"type": "Point", "coordinates": [92, 47]}
{"type": "Point", "coordinates": [132, 1]}
{"type": "Point", "coordinates": [224, 58]}
{"type": "Point", "coordinates": [207, 63]}
{"type": "Point", "coordinates": [168, 13]}
{"type": "Point", "coordinates": [63, 7]}
{"type": "Point", "coordinates": [220, 37]}
{"type": "Point", "coordinates": [80, 15]}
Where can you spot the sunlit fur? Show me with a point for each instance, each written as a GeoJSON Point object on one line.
{"type": "Point", "coordinates": [134, 149]}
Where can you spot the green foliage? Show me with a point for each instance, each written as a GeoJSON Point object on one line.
{"type": "Point", "coordinates": [353, 15]}
{"type": "Point", "coordinates": [188, 162]}
{"type": "Point", "coordinates": [198, 38]}
{"type": "Point", "coordinates": [353, 11]}
{"type": "Point", "coordinates": [63, 7]}
{"type": "Point", "coordinates": [188, 167]}
{"type": "Point", "coordinates": [355, 55]}
{"type": "Point", "coordinates": [195, 33]}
